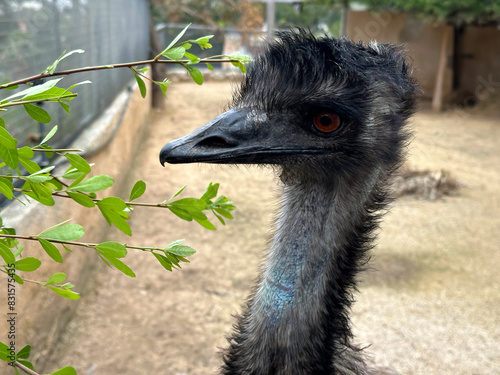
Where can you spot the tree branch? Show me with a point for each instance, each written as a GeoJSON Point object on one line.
{"type": "Point", "coordinates": [114, 66]}
{"type": "Point", "coordinates": [75, 243]}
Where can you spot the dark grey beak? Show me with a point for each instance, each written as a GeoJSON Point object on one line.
{"type": "Point", "coordinates": [238, 136]}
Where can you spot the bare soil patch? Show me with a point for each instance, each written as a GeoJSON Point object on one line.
{"type": "Point", "coordinates": [429, 305]}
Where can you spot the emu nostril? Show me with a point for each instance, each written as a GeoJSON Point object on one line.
{"type": "Point", "coordinates": [215, 142]}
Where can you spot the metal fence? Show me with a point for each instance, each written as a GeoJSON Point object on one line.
{"type": "Point", "coordinates": [33, 33]}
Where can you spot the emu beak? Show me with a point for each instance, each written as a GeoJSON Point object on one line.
{"type": "Point", "coordinates": [238, 136]}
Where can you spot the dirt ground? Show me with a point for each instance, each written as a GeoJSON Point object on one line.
{"type": "Point", "coordinates": [430, 304]}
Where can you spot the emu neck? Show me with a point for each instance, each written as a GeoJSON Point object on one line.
{"type": "Point", "coordinates": [296, 321]}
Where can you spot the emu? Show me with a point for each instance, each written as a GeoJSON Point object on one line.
{"type": "Point", "coordinates": [330, 116]}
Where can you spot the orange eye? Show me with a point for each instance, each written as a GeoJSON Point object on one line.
{"type": "Point", "coordinates": [326, 122]}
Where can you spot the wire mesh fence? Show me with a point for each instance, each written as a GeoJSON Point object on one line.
{"type": "Point", "coordinates": [33, 33]}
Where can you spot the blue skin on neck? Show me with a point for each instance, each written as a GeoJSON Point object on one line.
{"type": "Point", "coordinates": [286, 277]}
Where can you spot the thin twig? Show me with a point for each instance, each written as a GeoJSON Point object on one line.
{"type": "Point", "coordinates": [113, 66]}
{"type": "Point", "coordinates": [61, 195]}
{"type": "Point", "coordinates": [56, 150]}
{"type": "Point", "coordinates": [25, 369]}
{"type": "Point", "coordinates": [75, 243]}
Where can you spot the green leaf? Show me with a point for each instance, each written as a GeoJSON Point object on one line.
{"type": "Point", "coordinates": [24, 352]}
{"type": "Point", "coordinates": [112, 203]}
{"type": "Point", "coordinates": [6, 254]}
{"type": "Point", "coordinates": [18, 279]}
{"type": "Point", "coordinates": [120, 266]}
{"type": "Point", "coordinates": [175, 243]}
{"type": "Point", "coordinates": [181, 213]}
{"type": "Point", "coordinates": [203, 41]}
{"type": "Point", "coordinates": [112, 208]}
{"type": "Point", "coordinates": [39, 179]}
{"type": "Point", "coordinates": [6, 187]}
{"type": "Point", "coordinates": [195, 74]}
{"type": "Point", "coordinates": [220, 219]}
{"type": "Point", "coordinates": [2, 123]}
{"type": "Point", "coordinates": [176, 39]}
{"type": "Point", "coordinates": [141, 84]}
{"type": "Point", "coordinates": [69, 294]}
{"type": "Point", "coordinates": [73, 173]}
{"type": "Point", "coordinates": [25, 152]}
{"type": "Point", "coordinates": [67, 232]}
{"type": "Point", "coordinates": [177, 193]}
{"type": "Point", "coordinates": [9, 242]}
{"type": "Point", "coordinates": [44, 170]}
{"type": "Point", "coordinates": [5, 352]}
{"type": "Point", "coordinates": [192, 58]}
{"type": "Point", "coordinates": [19, 251]}
{"type": "Point", "coordinates": [78, 84]}
{"type": "Point", "coordinates": [51, 250]}
{"type": "Point", "coordinates": [29, 165]}
{"type": "Point", "coordinates": [189, 204]}
{"type": "Point", "coordinates": [52, 67]}
{"type": "Point", "coordinates": [65, 106]}
{"type": "Point", "coordinates": [28, 264]}
{"type": "Point", "coordinates": [8, 149]}
{"type": "Point", "coordinates": [209, 66]}
{"type": "Point", "coordinates": [56, 278]}
{"type": "Point", "coordinates": [93, 184]}
{"type": "Point", "coordinates": [8, 88]}
{"type": "Point", "coordinates": [164, 261]}
{"type": "Point", "coordinates": [210, 192]}
{"type": "Point", "coordinates": [34, 90]}
{"type": "Point", "coordinates": [224, 213]}
{"type": "Point", "coordinates": [81, 198]}
{"type": "Point", "coordinates": [183, 251]}
{"type": "Point", "coordinates": [112, 249]}
{"type": "Point", "coordinates": [239, 56]}
{"type": "Point", "coordinates": [205, 223]}
{"type": "Point", "coordinates": [78, 162]}
{"type": "Point", "coordinates": [39, 193]}
{"type": "Point", "coordinates": [68, 370]}
{"type": "Point", "coordinates": [49, 135]}
{"type": "Point", "coordinates": [163, 85]}
{"type": "Point", "coordinates": [53, 93]}
{"type": "Point", "coordinates": [138, 190]}
{"type": "Point", "coordinates": [175, 53]}
{"type": "Point", "coordinates": [37, 113]}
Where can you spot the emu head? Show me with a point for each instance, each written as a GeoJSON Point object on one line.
{"type": "Point", "coordinates": [314, 107]}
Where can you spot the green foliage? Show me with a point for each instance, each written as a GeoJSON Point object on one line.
{"type": "Point", "coordinates": [138, 190]}
{"type": "Point", "coordinates": [77, 184]}
{"type": "Point", "coordinates": [40, 184]}
{"type": "Point", "coordinates": [52, 67]}
{"type": "Point", "coordinates": [8, 354]}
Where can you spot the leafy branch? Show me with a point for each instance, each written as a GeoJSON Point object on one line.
{"type": "Point", "coordinates": [42, 185]}
{"type": "Point", "coordinates": [19, 361]}
{"type": "Point", "coordinates": [173, 54]}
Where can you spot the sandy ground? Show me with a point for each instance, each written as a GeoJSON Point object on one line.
{"type": "Point", "coordinates": [430, 305]}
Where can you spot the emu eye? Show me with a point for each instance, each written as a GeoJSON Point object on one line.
{"type": "Point", "coordinates": [326, 122]}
